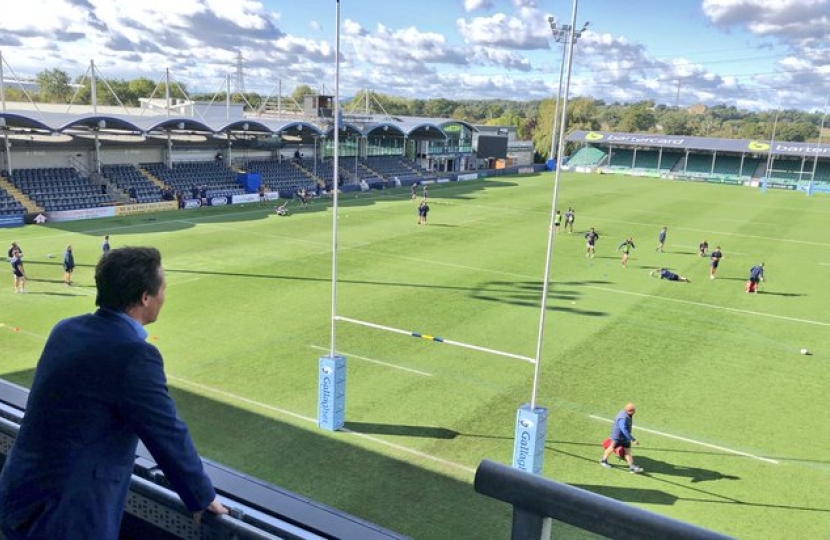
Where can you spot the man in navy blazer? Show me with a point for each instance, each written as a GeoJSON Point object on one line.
{"type": "Point", "coordinates": [98, 388]}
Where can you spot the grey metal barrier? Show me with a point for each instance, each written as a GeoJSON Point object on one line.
{"type": "Point", "coordinates": [536, 499]}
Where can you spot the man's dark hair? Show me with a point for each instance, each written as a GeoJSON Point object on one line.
{"type": "Point", "coordinates": [123, 275]}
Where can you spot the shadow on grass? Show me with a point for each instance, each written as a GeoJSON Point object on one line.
{"type": "Point", "coordinates": [640, 495]}
{"type": "Point", "coordinates": [518, 293]}
{"type": "Point", "coordinates": [695, 474]}
{"type": "Point", "coordinates": [529, 294]}
{"type": "Point", "coordinates": [426, 432]}
{"type": "Point", "coordinates": [655, 467]}
{"type": "Point", "coordinates": [337, 469]}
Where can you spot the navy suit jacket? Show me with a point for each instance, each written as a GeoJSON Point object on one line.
{"type": "Point", "coordinates": [98, 389]}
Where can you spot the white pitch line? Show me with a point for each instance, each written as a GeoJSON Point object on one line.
{"type": "Point", "coordinates": [711, 306]}
{"type": "Point", "coordinates": [386, 364]}
{"type": "Point", "coordinates": [692, 441]}
{"type": "Point", "coordinates": [298, 416]}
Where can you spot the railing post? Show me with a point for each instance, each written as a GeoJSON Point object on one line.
{"type": "Point", "coordinates": [529, 525]}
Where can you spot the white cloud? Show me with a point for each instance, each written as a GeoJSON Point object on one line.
{"type": "Point", "coordinates": [473, 5]}
{"type": "Point", "coordinates": [788, 19]}
{"type": "Point", "coordinates": [501, 30]}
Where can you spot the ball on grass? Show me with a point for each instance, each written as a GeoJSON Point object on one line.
{"type": "Point", "coordinates": [804, 351]}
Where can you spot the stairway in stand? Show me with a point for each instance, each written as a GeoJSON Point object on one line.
{"type": "Point", "coordinates": [18, 195]}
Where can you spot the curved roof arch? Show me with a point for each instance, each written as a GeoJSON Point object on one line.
{"type": "Point", "coordinates": [427, 130]}
{"type": "Point", "coordinates": [13, 120]}
{"type": "Point", "coordinates": [180, 123]}
{"type": "Point", "coordinates": [98, 121]}
{"type": "Point", "coordinates": [384, 128]}
{"type": "Point", "coordinates": [347, 127]}
{"type": "Point", "coordinates": [464, 123]}
{"type": "Point", "coordinates": [246, 124]}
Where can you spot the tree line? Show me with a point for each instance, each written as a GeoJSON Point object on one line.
{"type": "Point", "coordinates": [533, 120]}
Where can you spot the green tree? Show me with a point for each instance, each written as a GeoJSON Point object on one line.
{"type": "Point", "coordinates": [796, 131]}
{"type": "Point", "coordinates": [676, 123]}
{"type": "Point", "coordinates": [53, 85]}
{"type": "Point", "coordinates": [637, 118]}
{"type": "Point", "coordinates": [143, 88]}
{"type": "Point", "coordinates": [301, 92]}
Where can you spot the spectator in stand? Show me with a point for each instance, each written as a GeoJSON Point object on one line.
{"type": "Point", "coordinates": [98, 388]}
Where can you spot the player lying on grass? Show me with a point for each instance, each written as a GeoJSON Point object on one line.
{"type": "Point", "coordinates": [665, 273]}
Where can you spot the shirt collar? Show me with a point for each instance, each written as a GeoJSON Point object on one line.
{"type": "Point", "coordinates": [136, 326]}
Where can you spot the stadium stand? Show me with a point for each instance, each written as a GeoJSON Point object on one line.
{"type": "Point", "coordinates": [282, 175]}
{"type": "Point", "coordinates": [621, 158]}
{"type": "Point", "coordinates": [127, 178]}
{"type": "Point", "coordinates": [9, 206]}
{"type": "Point", "coordinates": [216, 179]}
{"type": "Point", "coordinates": [59, 188]}
{"type": "Point", "coordinates": [391, 167]}
{"type": "Point", "coordinates": [588, 156]}
{"type": "Point", "coordinates": [669, 159]}
{"type": "Point", "coordinates": [697, 163]}
{"type": "Point", "coordinates": [790, 171]}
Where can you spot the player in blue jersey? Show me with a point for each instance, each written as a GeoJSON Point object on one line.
{"type": "Point", "coordinates": [18, 271]}
{"type": "Point", "coordinates": [661, 240]}
{"type": "Point", "coordinates": [716, 256]}
{"type": "Point", "coordinates": [756, 276]}
{"type": "Point", "coordinates": [591, 238]}
{"type": "Point", "coordinates": [665, 273]}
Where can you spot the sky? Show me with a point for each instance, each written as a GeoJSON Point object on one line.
{"type": "Point", "coordinates": [752, 54]}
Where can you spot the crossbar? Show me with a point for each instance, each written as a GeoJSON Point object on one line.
{"type": "Point", "coordinates": [437, 339]}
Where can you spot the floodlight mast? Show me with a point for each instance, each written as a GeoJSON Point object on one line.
{"type": "Point", "coordinates": [561, 34]}
{"type": "Point", "coordinates": [570, 39]}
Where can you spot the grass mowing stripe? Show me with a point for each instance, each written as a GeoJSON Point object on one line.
{"type": "Point", "coordinates": [692, 441]}
{"type": "Point", "coordinates": [286, 412]}
{"type": "Point", "coordinates": [711, 306]}
{"type": "Point", "coordinates": [370, 360]}
{"type": "Point", "coordinates": [719, 233]}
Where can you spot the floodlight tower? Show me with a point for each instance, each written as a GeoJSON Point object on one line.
{"type": "Point", "coordinates": [563, 34]}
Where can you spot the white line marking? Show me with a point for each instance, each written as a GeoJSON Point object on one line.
{"type": "Point", "coordinates": [712, 306]}
{"type": "Point", "coordinates": [297, 416]}
{"type": "Point", "coordinates": [692, 441]}
{"type": "Point", "coordinates": [415, 371]}
{"type": "Point", "coordinates": [824, 264]}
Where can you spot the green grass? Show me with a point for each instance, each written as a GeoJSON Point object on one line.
{"type": "Point", "coordinates": [248, 314]}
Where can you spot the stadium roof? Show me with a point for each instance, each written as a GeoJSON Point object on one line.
{"type": "Point", "coordinates": [709, 144]}
{"type": "Point", "coordinates": [46, 122]}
